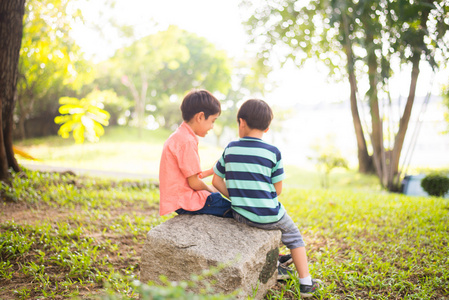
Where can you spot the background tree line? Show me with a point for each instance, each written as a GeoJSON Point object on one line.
{"type": "Point", "coordinates": [141, 85]}
{"type": "Point", "coordinates": [363, 42]}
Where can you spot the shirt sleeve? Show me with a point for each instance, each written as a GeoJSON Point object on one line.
{"type": "Point", "coordinates": [277, 174]}
{"type": "Point", "coordinates": [219, 168]}
{"type": "Point", "coordinates": [189, 160]}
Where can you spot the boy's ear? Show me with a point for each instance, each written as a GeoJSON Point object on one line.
{"type": "Point", "coordinates": [199, 116]}
{"type": "Point", "coordinates": [266, 130]}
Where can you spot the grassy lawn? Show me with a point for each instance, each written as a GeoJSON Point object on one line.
{"type": "Point", "coordinates": [64, 236]}
{"type": "Point", "coordinates": [122, 150]}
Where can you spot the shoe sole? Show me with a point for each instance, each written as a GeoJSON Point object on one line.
{"type": "Point", "coordinates": [309, 295]}
{"type": "Point", "coordinates": [288, 262]}
{"type": "Point", "coordinates": [306, 295]}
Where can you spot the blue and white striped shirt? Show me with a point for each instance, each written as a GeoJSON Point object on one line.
{"type": "Point", "coordinates": [251, 167]}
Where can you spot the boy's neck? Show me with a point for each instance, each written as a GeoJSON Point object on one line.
{"type": "Point", "coordinates": [254, 133]}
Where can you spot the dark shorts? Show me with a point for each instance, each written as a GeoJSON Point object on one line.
{"type": "Point", "coordinates": [215, 205]}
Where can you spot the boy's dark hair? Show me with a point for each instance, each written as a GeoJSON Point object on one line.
{"type": "Point", "coordinates": [257, 114]}
{"type": "Point", "coordinates": [199, 101]}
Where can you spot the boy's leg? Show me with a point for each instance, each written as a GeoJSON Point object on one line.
{"type": "Point", "coordinates": [292, 238]}
{"type": "Point", "coordinates": [299, 256]}
{"type": "Point", "coordinates": [215, 205]}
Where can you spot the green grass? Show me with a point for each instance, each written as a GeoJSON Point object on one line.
{"type": "Point", "coordinates": [375, 245]}
{"type": "Point", "coordinates": [64, 236]}
{"type": "Point", "coordinates": [71, 236]}
{"type": "Point", "coordinates": [122, 150]}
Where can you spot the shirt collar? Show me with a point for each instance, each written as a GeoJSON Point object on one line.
{"type": "Point", "coordinates": [250, 138]}
{"type": "Point", "coordinates": [185, 127]}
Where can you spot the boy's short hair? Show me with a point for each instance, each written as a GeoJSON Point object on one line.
{"type": "Point", "coordinates": [257, 114]}
{"type": "Point", "coordinates": [199, 101]}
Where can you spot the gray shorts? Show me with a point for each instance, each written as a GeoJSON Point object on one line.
{"type": "Point", "coordinates": [291, 237]}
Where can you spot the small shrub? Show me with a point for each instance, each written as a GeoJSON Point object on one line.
{"type": "Point", "coordinates": [327, 158]}
{"type": "Point", "coordinates": [435, 184]}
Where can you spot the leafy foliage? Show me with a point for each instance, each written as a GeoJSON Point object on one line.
{"type": "Point", "coordinates": [446, 105]}
{"type": "Point", "coordinates": [366, 42]}
{"type": "Point", "coordinates": [327, 158]}
{"type": "Point", "coordinates": [51, 64]}
{"type": "Point", "coordinates": [177, 290]}
{"type": "Point", "coordinates": [156, 72]}
{"type": "Point", "coordinates": [82, 117]}
{"type": "Point", "coordinates": [436, 184]}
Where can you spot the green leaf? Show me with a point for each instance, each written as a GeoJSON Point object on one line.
{"type": "Point", "coordinates": [82, 117]}
{"type": "Point", "coordinates": [99, 130]}
{"type": "Point", "coordinates": [62, 119]}
{"type": "Point", "coordinates": [71, 109]}
{"type": "Point", "coordinates": [78, 134]}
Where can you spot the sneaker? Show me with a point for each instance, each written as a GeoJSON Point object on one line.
{"type": "Point", "coordinates": [284, 272]}
{"type": "Point", "coordinates": [307, 291]}
{"type": "Point", "coordinates": [285, 260]}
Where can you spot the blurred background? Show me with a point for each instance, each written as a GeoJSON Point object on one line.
{"type": "Point", "coordinates": [108, 76]}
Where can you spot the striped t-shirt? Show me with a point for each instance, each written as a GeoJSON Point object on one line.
{"type": "Point", "coordinates": [250, 167]}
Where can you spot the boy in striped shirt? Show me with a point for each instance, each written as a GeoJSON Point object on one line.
{"type": "Point", "coordinates": [250, 173]}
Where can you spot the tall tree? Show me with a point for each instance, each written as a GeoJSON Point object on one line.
{"type": "Point", "coordinates": [11, 26]}
{"type": "Point", "coordinates": [359, 40]}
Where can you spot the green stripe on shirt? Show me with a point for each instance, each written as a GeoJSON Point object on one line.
{"type": "Point", "coordinates": [249, 185]}
{"type": "Point", "coordinates": [251, 168]}
{"type": "Point", "coordinates": [261, 202]}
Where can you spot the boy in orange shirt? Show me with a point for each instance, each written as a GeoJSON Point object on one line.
{"type": "Point", "coordinates": [182, 189]}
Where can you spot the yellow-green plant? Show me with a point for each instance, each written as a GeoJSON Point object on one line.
{"type": "Point", "coordinates": [327, 158]}
{"type": "Point", "coordinates": [83, 117]}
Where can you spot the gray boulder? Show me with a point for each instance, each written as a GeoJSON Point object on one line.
{"type": "Point", "coordinates": [186, 245]}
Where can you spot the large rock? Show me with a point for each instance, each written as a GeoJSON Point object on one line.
{"type": "Point", "coordinates": [186, 245]}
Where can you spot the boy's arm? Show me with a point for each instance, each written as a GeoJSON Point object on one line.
{"type": "Point", "coordinates": [206, 173]}
{"type": "Point", "coordinates": [278, 187]}
{"type": "Point", "coordinates": [197, 184]}
{"type": "Point", "coordinates": [220, 184]}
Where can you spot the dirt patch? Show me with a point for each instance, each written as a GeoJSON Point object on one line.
{"type": "Point", "coordinates": [24, 213]}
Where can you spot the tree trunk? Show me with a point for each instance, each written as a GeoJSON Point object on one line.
{"type": "Point", "coordinates": [11, 26]}
{"type": "Point", "coordinates": [22, 118]}
{"type": "Point", "coordinates": [379, 157]}
{"type": "Point", "coordinates": [365, 161]}
{"type": "Point", "coordinates": [403, 125]}
{"type": "Point", "coordinates": [393, 182]}
{"type": "Point", "coordinates": [138, 98]}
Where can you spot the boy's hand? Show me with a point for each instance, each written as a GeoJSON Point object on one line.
{"type": "Point", "coordinates": [213, 189]}
{"type": "Point", "coordinates": [206, 173]}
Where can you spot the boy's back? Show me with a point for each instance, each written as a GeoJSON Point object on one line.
{"type": "Point", "coordinates": [180, 160]}
{"type": "Point", "coordinates": [250, 172]}
{"type": "Point", "coordinates": [251, 167]}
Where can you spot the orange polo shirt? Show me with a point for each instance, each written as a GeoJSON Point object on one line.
{"type": "Point", "coordinates": [179, 161]}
